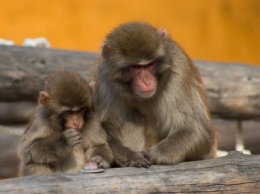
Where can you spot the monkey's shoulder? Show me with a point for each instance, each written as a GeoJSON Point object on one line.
{"type": "Point", "coordinates": [35, 131]}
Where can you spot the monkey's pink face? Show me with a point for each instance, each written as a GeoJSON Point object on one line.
{"type": "Point", "coordinates": [74, 119]}
{"type": "Point", "coordinates": [144, 79]}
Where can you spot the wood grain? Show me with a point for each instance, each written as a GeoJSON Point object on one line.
{"type": "Point", "coordinates": [235, 173]}
{"type": "Point", "coordinates": [233, 90]}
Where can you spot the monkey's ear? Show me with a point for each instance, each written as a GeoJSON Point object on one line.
{"type": "Point", "coordinates": [43, 97]}
{"type": "Point", "coordinates": [105, 51]}
{"type": "Point", "coordinates": [92, 84]}
{"type": "Point", "coordinates": [163, 32]}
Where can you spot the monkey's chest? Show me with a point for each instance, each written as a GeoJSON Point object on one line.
{"type": "Point", "coordinates": [75, 160]}
{"type": "Point", "coordinates": [140, 133]}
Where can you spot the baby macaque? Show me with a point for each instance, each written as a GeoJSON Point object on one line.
{"type": "Point", "coordinates": [64, 132]}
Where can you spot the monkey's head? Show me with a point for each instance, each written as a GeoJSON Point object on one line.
{"type": "Point", "coordinates": [68, 97]}
{"type": "Point", "coordinates": [136, 57]}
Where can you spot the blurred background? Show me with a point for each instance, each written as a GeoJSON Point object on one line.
{"type": "Point", "coordinates": [222, 30]}
{"type": "Point", "coordinates": [216, 30]}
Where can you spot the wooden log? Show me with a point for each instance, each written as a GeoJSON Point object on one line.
{"type": "Point", "coordinates": [9, 137]}
{"type": "Point", "coordinates": [8, 158]}
{"type": "Point", "coordinates": [236, 173]}
{"type": "Point", "coordinates": [226, 133]}
{"type": "Point", "coordinates": [23, 69]}
{"type": "Point", "coordinates": [15, 112]}
{"type": "Point", "coordinates": [233, 90]}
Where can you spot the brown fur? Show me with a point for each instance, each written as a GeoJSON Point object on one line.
{"type": "Point", "coordinates": [171, 126]}
{"type": "Point", "coordinates": [51, 143]}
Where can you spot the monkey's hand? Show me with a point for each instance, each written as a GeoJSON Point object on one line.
{"type": "Point", "coordinates": [138, 160]}
{"type": "Point", "coordinates": [149, 155]}
{"type": "Point", "coordinates": [100, 161]}
{"type": "Point", "coordinates": [72, 136]}
{"type": "Point", "coordinates": [157, 157]}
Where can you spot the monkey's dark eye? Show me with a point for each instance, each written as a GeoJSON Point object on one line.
{"type": "Point", "coordinates": [160, 60]}
{"type": "Point", "coordinates": [136, 66]}
{"type": "Point", "coordinates": [155, 62]}
{"type": "Point", "coordinates": [69, 112]}
{"type": "Point", "coordinates": [83, 110]}
{"type": "Point", "coordinates": [151, 64]}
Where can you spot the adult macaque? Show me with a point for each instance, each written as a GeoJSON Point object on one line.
{"type": "Point", "coordinates": [151, 99]}
{"type": "Point", "coordinates": [63, 132]}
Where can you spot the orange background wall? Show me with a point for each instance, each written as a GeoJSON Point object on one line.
{"type": "Point", "coordinates": [221, 30]}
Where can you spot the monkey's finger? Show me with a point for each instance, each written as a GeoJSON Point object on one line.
{"type": "Point", "coordinates": [133, 164]}
{"type": "Point", "coordinates": [100, 161]}
{"type": "Point", "coordinates": [103, 164]}
{"type": "Point", "coordinates": [147, 156]}
{"type": "Point", "coordinates": [69, 133]}
{"type": "Point", "coordinates": [145, 164]}
{"type": "Point", "coordinates": [71, 130]}
{"type": "Point", "coordinates": [138, 163]}
{"type": "Point", "coordinates": [75, 143]}
{"type": "Point", "coordinates": [75, 140]}
{"type": "Point", "coordinates": [97, 159]}
{"type": "Point", "coordinates": [72, 134]}
{"type": "Point", "coordinates": [75, 137]}
{"type": "Point", "coordinates": [144, 160]}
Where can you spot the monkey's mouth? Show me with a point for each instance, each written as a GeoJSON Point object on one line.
{"type": "Point", "coordinates": [78, 129]}
{"type": "Point", "coordinates": [147, 93]}
{"type": "Point", "coordinates": [150, 93]}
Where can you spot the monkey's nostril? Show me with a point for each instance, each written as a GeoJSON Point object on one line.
{"type": "Point", "coordinates": [147, 83]}
{"type": "Point", "coordinates": [76, 125]}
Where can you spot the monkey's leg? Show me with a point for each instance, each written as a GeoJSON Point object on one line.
{"type": "Point", "coordinates": [101, 155]}
{"type": "Point", "coordinates": [182, 145]}
{"type": "Point", "coordinates": [35, 169]}
{"type": "Point", "coordinates": [240, 146]}
{"type": "Point", "coordinates": [125, 156]}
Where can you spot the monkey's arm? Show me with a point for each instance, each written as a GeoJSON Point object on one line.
{"type": "Point", "coordinates": [124, 156]}
{"type": "Point", "coordinates": [100, 154]}
{"type": "Point", "coordinates": [184, 144]}
{"type": "Point", "coordinates": [95, 139]}
{"type": "Point", "coordinates": [49, 149]}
